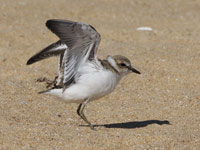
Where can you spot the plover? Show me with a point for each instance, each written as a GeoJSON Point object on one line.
{"type": "Point", "coordinates": [82, 77]}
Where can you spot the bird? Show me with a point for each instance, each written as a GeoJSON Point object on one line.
{"type": "Point", "coordinates": [82, 76]}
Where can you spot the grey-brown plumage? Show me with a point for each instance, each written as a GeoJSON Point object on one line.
{"type": "Point", "coordinates": [77, 36]}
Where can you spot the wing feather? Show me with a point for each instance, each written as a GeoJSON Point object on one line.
{"type": "Point", "coordinates": [51, 50]}
{"type": "Point", "coordinates": [81, 39]}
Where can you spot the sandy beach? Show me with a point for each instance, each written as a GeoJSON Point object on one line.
{"type": "Point", "coordinates": [159, 109]}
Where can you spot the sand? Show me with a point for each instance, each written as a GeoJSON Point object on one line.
{"type": "Point", "coordinates": [159, 109]}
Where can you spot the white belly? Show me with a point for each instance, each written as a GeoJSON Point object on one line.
{"type": "Point", "coordinates": [92, 85]}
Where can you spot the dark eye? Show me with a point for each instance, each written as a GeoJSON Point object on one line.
{"type": "Point", "coordinates": [123, 64]}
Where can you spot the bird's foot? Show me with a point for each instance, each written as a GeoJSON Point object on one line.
{"type": "Point", "coordinates": [49, 83]}
{"type": "Point", "coordinates": [91, 127]}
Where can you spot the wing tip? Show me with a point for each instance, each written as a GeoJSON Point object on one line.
{"type": "Point", "coordinates": [53, 21]}
{"type": "Point", "coordinates": [48, 22]}
{"type": "Point", "coordinates": [32, 60]}
{"type": "Point", "coordinates": [29, 62]}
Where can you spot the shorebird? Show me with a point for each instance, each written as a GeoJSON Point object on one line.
{"type": "Point", "coordinates": [82, 77]}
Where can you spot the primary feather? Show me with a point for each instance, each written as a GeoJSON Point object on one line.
{"type": "Point", "coordinates": [54, 49]}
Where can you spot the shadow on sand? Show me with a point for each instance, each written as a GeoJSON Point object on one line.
{"type": "Point", "coordinates": [133, 124]}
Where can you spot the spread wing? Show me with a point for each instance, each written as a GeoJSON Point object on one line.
{"type": "Point", "coordinates": [51, 50]}
{"type": "Point", "coordinates": [82, 41]}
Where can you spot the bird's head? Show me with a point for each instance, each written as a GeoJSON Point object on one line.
{"type": "Point", "coordinates": [121, 64]}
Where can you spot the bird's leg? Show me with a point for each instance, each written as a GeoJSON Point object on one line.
{"type": "Point", "coordinates": [78, 110]}
{"type": "Point", "coordinates": [82, 115]}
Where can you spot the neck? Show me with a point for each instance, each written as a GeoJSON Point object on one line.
{"type": "Point", "coordinates": [106, 64]}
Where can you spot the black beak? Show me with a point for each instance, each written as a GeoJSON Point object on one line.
{"type": "Point", "coordinates": [133, 70]}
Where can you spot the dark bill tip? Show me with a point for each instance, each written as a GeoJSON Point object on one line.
{"type": "Point", "coordinates": [134, 70]}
